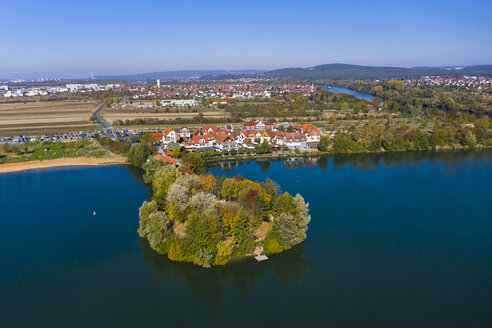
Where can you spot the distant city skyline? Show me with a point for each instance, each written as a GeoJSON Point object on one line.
{"type": "Point", "coordinates": [60, 39]}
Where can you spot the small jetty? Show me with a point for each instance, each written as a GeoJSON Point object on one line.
{"type": "Point", "coordinates": [261, 257]}
{"type": "Point", "coordinates": [257, 254]}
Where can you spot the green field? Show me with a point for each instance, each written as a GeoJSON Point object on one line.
{"type": "Point", "coordinates": [39, 151]}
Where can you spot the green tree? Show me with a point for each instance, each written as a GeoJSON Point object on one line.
{"type": "Point", "coordinates": [150, 167]}
{"type": "Point", "coordinates": [263, 148]}
{"type": "Point", "coordinates": [5, 147]}
{"type": "Point", "coordinates": [202, 236]}
{"type": "Point", "coordinates": [230, 189]}
{"type": "Point", "coordinates": [176, 152]}
{"type": "Point", "coordinates": [243, 234]}
{"type": "Point", "coordinates": [162, 179]}
{"type": "Point", "coordinates": [193, 162]}
{"type": "Point", "coordinates": [153, 224]}
{"type": "Point", "coordinates": [324, 143]}
{"type": "Point", "coordinates": [378, 91]}
{"type": "Point", "coordinates": [271, 187]}
{"type": "Point", "coordinates": [283, 203]}
{"type": "Point", "coordinates": [180, 194]}
{"type": "Point", "coordinates": [292, 225]}
{"type": "Point", "coordinates": [481, 129]}
{"type": "Point", "coordinates": [139, 153]}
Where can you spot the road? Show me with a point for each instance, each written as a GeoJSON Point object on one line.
{"type": "Point", "coordinates": [97, 115]}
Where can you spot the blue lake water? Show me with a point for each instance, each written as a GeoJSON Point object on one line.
{"type": "Point", "coordinates": [396, 240]}
{"type": "Point", "coordinates": [348, 91]}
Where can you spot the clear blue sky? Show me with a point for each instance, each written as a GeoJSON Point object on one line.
{"type": "Point", "coordinates": [73, 38]}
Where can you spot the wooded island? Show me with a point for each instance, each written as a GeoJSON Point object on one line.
{"type": "Point", "coordinates": [209, 220]}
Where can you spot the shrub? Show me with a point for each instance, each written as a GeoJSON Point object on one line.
{"type": "Point", "coordinates": [272, 246]}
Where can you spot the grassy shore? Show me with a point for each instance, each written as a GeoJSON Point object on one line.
{"type": "Point", "coordinates": [52, 154]}
{"type": "Point", "coordinates": [41, 151]}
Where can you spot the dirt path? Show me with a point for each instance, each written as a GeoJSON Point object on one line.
{"type": "Point", "coordinates": [81, 161]}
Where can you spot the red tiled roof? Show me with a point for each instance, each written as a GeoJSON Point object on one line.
{"type": "Point", "coordinates": [223, 136]}
{"type": "Point", "coordinates": [310, 129]}
{"type": "Point", "coordinates": [167, 131]}
{"type": "Point", "coordinates": [166, 159]}
{"type": "Point", "coordinates": [295, 137]}
{"type": "Point", "coordinates": [196, 139]}
{"type": "Point", "coordinates": [213, 127]}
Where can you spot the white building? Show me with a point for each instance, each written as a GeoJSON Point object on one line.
{"type": "Point", "coordinates": [180, 102]}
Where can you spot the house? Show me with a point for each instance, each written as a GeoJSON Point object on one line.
{"type": "Point", "coordinates": [257, 136]}
{"type": "Point", "coordinates": [279, 138]}
{"type": "Point", "coordinates": [166, 136]}
{"type": "Point", "coordinates": [158, 136]}
{"type": "Point", "coordinates": [166, 159]}
{"type": "Point", "coordinates": [312, 133]}
{"type": "Point", "coordinates": [169, 135]}
{"type": "Point", "coordinates": [205, 130]}
{"type": "Point", "coordinates": [210, 129]}
{"type": "Point", "coordinates": [259, 126]}
{"type": "Point", "coordinates": [295, 140]}
{"type": "Point", "coordinates": [184, 133]}
{"type": "Point", "coordinates": [225, 141]}
{"type": "Point", "coordinates": [238, 136]}
{"type": "Point", "coordinates": [202, 141]}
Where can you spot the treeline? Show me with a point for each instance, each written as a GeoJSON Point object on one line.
{"type": "Point", "coordinates": [438, 101]}
{"type": "Point", "coordinates": [115, 146]}
{"type": "Point", "coordinates": [452, 133]}
{"type": "Point", "coordinates": [294, 106]}
{"type": "Point", "coordinates": [284, 109]}
{"type": "Point", "coordinates": [211, 220]}
{"type": "Point", "coordinates": [199, 119]}
{"type": "Point", "coordinates": [137, 150]}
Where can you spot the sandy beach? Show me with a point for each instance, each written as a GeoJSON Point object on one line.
{"type": "Point", "coordinates": [81, 161]}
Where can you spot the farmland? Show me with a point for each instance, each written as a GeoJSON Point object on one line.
{"type": "Point", "coordinates": [35, 118]}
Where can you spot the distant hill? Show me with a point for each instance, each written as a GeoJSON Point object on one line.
{"type": "Point", "coordinates": [175, 75]}
{"type": "Point", "coordinates": [479, 68]}
{"type": "Point", "coordinates": [321, 72]}
{"type": "Point", "coordinates": [346, 71]}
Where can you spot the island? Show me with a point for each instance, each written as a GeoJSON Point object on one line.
{"type": "Point", "coordinates": [210, 220]}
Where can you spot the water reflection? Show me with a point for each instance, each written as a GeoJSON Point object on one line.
{"type": "Point", "coordinates": [264, 164]}
{"type": "Point", "coordinates": [367, 161]}
{"type": "Point", "coordinates": [210, 285]}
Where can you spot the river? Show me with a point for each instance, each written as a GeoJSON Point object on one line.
{"type": "Point", "coordinates": [348, 91]}
{"type": "Point", "coordinates": [396, 240]}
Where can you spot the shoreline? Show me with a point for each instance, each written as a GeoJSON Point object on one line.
{"type": "Point", "coordinates": [60, 162]}
{"type": "Point", "coordinates": [118, 159]}
{"type": "Point", "coordinates": [323, 153]}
